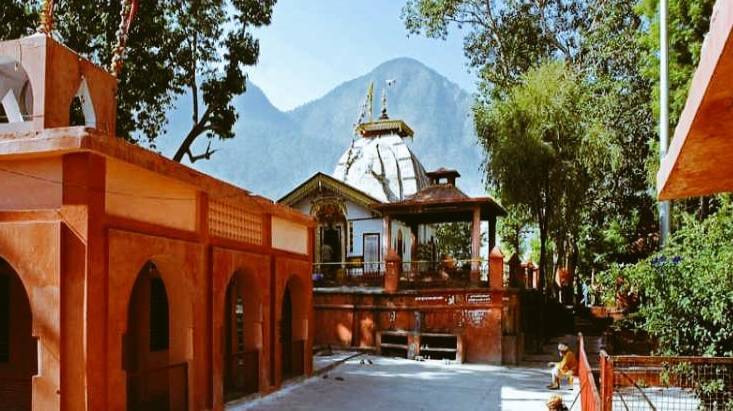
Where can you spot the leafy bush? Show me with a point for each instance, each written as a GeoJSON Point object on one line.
{"type": "Point", "coordinates": [685, 291]}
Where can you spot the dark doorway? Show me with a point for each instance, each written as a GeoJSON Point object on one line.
{"type": "Point", "coordinates": [286, 335]}
{"type": "Point", "coordinates": [18, 349]}
{"type": "Point", "coordinates": [291, 344]}
{"type": "Point", "coordinates": [241, 360]}
{"type": "Point", "coordinates": [153, 382]}
{"type": "Point", "coordinates": [331, 246]}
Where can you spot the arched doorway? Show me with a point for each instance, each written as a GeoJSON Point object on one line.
{"type": "Point", "coordinates": [331, 235]}
{"type": "Point", "coordinates": [153, 382]}
{"type": "Point", "coordinates": [18, 355]}
{"type": "Point", "coordinates": [292, 332]}
{"type": "Point", "coordinates": [286, 336]}
{"type": "Point", "coordinates": [242, 337]}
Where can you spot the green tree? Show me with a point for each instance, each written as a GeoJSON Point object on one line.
{"type": "Point", "coordinates": [514, 229]}
{"type": "Point", "coordinates": [454, 240]}
{"type": "Point", "coordinates": [196, 47]}
{"type": "Point", "coordinates": [686, 290]}
{"type": "Point", "coordinates": [620, 225]}
{"type": "Point", "coordinates": [15, 18]}
{"type": "Point", "coordinates": [545, 152]}
{"type": "Point", "coordinates": [688, 23]}
{"type": "Point", "coordinates": [598, 40]}
{"type": "Point", "coordinates": [503, 38]}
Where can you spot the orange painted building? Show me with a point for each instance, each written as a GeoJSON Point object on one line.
{"type": "Point", "coordinates": [129, 281]}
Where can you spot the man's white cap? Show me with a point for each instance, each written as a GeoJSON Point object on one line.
{"type": "Point", "coordinates": [562, 347]}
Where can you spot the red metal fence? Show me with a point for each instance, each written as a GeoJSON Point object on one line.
{"type": "Point", "coordinates": [633, 383]}
{"type": "Point", "coordinates": [590, 400]}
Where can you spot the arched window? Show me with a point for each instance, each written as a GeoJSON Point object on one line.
{"type": "Point", "coordinates": [158, 315]}
{"type": "Point", "coordinates": [16, 94]}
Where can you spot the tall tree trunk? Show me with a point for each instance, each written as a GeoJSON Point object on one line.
{"type": "Point", "coordinates": [573, 264]}
{"type": "Point", "coordinates": [543, 253]}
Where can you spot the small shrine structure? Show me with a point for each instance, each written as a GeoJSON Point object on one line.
{"type": "Point", "coordinates": [380, 282]}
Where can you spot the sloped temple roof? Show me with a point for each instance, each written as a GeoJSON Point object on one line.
{"type": "Point", "coordinates": [438, 203]}
{"type": "Point", "coordinates": [321, 180]}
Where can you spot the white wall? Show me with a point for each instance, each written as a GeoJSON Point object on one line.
{"type": "Point", "coordinates": [361, 227]}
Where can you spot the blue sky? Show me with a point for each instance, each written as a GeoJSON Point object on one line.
{"type": "Point", "coordinates": [314, 45]}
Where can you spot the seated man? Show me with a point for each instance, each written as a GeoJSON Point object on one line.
{"type": "Point", "coordinates": [567, 367]}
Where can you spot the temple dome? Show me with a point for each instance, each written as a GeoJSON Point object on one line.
{"type": "Point", "coordinates": [382, 165]}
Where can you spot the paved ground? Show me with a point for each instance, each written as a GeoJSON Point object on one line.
{"type": "Point", "coordinates": [391, 384]}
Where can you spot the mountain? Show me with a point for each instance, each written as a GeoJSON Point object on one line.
{"type": "Point", "coordinates": [274, 151]}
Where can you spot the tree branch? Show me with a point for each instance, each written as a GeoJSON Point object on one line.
{"type": "Point", "coordinates": [204, 156]}
{"type": "Point", "coordinates": [198, 129]}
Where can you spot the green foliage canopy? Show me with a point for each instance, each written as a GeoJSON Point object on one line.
{"type": "Point", "coordinates": [454, 240]}
{"type": "Point", "coordinates": [688, 23]}
{"type": "Point", "coordinates": [546, 152]}
{"type": "Point", "coordinates": [598, 42]}
{"type": "Point", "coordinates": [503, 38]}
{"type": "Point", "coordinates": [686, 290]}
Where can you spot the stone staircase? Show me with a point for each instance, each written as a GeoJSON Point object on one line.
{"type": "Point", "coordinates": [592, 334]}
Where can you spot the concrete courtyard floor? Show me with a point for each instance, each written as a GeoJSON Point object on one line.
{"type": "Point", "coordinates": [393, 384]}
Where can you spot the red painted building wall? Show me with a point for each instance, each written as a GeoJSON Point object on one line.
{"type": "Point", "coordinates": [78, 250]}
{"type": "Point", "coordinates": [487, 320]}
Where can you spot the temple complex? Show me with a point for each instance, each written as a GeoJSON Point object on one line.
{"type": "Point", "coordinates": [380, 281]}
{"type": "Point", "coordinates": [129, 281]}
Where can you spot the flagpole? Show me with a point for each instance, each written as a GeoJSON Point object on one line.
{"type": "Point", "coordinates": [663, 206]}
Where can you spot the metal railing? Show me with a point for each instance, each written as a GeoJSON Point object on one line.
{"type": "Point", "coordinates": [633, 383]}
{"type": "Point", "coordinates": [414, 274]}
{"type": "Point", "coordinates": [590, 399]}
{"type": "Point", "coordinates": [160, 389]}
{"type": "Point", "coordinates": [441, 274]}
{"type": "Point", "coordinates": [348, 273]}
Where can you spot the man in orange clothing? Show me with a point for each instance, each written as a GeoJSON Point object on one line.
{"type": "Point", "coordinates": [567, 367]}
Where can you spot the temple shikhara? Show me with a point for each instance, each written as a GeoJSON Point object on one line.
{"type": "Point", "coordinates": [129, 281]}
{"type": "Point", "coordinates": [380, 282]}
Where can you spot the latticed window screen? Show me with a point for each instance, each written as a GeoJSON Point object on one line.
{"type": "Point", "coordinates": [158, 315]}
{"type": "Point", "coordinates": [4, 318]}
{"type": "Point", "coordinates": [227, 220]}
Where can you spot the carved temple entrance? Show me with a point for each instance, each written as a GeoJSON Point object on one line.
{"type": "Point", "coordinates": [330, 235]}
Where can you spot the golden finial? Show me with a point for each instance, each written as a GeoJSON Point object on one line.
{"type": "Point", "coordinates": [46, 18]}
{"type": "Point", "coordinates": [127, 14]}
